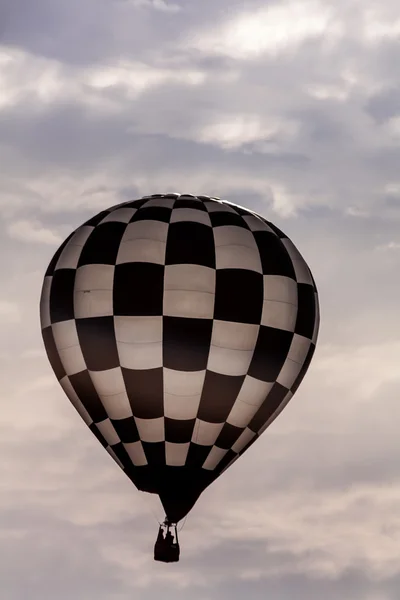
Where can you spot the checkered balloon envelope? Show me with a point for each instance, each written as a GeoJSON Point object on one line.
{"type": "Point", "coordinates": [179, 327]}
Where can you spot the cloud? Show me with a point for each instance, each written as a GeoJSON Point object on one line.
{"type": "Point", "coordinates": [269, 30]}
{"type": "Point", "coordinates": [290, 109]}
{"type": "Point", "coordinates": [379, 24]}
{"type": "Point", "coordinates": [389, 246]}
{"type": "Point", "coordinates": [33, 231]}
{"type": "Point", "coordinates": [160, 5]}
{"type": "Point", "coordinates": [45, 81]}
{"type": "Point", "coordinates": [9, 312]}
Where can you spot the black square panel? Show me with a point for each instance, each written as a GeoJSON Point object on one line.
{"type": "Point", "coordinates": [179, 431]}
{"type": "Point", "coordinates": [97, 341]}
{"type": "Point", "coordinates": [93, 221]}
{"type": "Point", "coordinates": [86, 392]}
{"type": "Point", "coordinates": [274, 228]}
{"type": "Point", "coordinates": [275, 259]}
{"type": "Point", "coordinates": [222, 218]}
{"type": "Point", "coordinates": [102, 245]}
{"type": "Point", "coordinates": [241, 211]}
{"type": "Point", "coordinates": [153, 213]}
{"type": "Point", "coordinates": [52, 353]}
{"type": "Point", "coordinates": [62, 295]}
{"type": "Point", "coordinates": [224, 462]}
{"type": "Point", "coordinates": [190, 243]}
{"type": "Point", "coordinates": [121, 453]}
{"type": "Point", "coordinates": [270, 353]}
{"type": "Point", "coordinates": [126, 430]}
{"type": "Point", "coordinates": [136, 203]}
{"type": "Point", "coordinates": [274, 399]}
{"type": "Point", "coordinates": [138, 289]}
{"type": "Point", "coordinates": [303, 369]}
{"type": "Point", "coordinates": [56, 256]}
{"type": "Point", "coordinates": [239, 296]}
{"type": "Point", "coordinates": [189, 203]}
{"type": "Point", "coordinates": [218, 396]}
{"type": "Point", "coordinates": [197, 455]}
{"type": "Point", "coordinates": [95, 430]}
{"type": "Point", "coordinates": [186, 343]}
{"type": "Point", "coordinates": [145, 391]}
{"type": "Point", "coordinates": [155, 453]}
{"type": "Point", "coordinates": [306, 311]}
{"type": "Point", "coordinates": [228, 436]}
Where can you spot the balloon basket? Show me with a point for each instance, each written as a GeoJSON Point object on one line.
{"type": "Point", "coordinates": [166, 548]}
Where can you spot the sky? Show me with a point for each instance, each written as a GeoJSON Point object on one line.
{"type": "Point", "coordinates": [292, 109]}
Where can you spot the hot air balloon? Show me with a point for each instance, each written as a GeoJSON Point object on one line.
{"type": "Point", "coordinates": [179, 327]}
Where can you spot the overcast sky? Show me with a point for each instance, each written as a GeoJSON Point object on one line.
{"type": "Point", "coordinates": [291, 108]}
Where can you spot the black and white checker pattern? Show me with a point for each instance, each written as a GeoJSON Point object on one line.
{"type": "Point", "coordinates": [179, 328]}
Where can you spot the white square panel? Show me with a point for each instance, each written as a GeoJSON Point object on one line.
{"type": "Point", "coordinates": [117, 406]}
{"type": "Point", "coordinates": [190, 304]}
{"type": "Point", "coordinates": [241, 414]}
{"type": "Point", "coordinates": [288, 373]}
{"type": "Point", "coordinates": [138, 330]}
{"type": "Point", "coordinates": [238, 257]}
{"type": "Point", "coordinates": [75, 401]}
{"type": "Point", "coordinates": [140, 356]}
{"type": "Point", "coordinates": [108, 432]}
{"type": "Point", "coordinates": [69, 257]}
{"type": "Point", "coordinates": [232, 347]}
{"type": "Point", "coordinates": [281, 289]}
{"type": "Point", "coordinates": [93, 303]}
{"type": "Point", "coordinates": [110, 387]}
{"type": "Point", "coordinates": [176, 454]}
{"type": "Point", "coordinates": [182, 393]}
{"type": "Point", "coordinates": [181, 408]}
{"type": "Point", "coordinates": [214, 458]}
{"type": "Point", "coordinates": [279, 315]}
{"type": "Point", "coordinates": [81, 235]}
{"type": "Point", "coordinates": [148, 230]}
{"type": "Point", "coordinates": [302, 271]}
{"type": "Point", "coordinates": [231, 235]}
{"type": "Point", "coordinates": [119, 205]}
{"type": "Point", "coordinates": [109, 382]}
{"type": "Point", "coordinates": [136, 453]}
{"type": "Point", "coordinates": [183, 383]}
{"type": "Point", "coordinates": [229, 362]}
{"type": "Point", "coordinates": [236, 336]}
{"type": "Point", "coordinates": [218, 206]}
{"type": "Point", "coordinates": [151, 430]}
{"type": "Point", "coordinates": [299, 348]}
{"type": "Point", "coordinates": [94, 277]}
{"type": "Point", "coordinates": [206, 434]}
{"type": "Point", "coordinates": [190, 214]}
{"type": "Point", "coordinates": [141, 250]}
{"type": "Point", "coordinates": [254, 391]}
{"type": "Point", "coordinates": [72, 360]}
{"type": "Point", "coordinates": [45, 302]}
{"type": "Point", "coordinates": [189, 277]}
{"type": "Point", "coordinates": [65, 334]}
{"type": "Point", "coordinates": [317, 319]}
{"type": "Point", "coordinates": [257, 224]}
{"type": "Point", "coordinates": [120, 215]}
{"type": "Point", "coordinates": [161, 202]}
